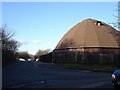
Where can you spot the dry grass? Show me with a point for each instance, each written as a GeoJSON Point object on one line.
{"type": "Point", "coordinates": [92, 67]}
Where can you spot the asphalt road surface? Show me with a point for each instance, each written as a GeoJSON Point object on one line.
{"type": "Point", "coordinates": [32, 74]}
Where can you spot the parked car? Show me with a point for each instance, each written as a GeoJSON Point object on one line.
{"type": "Point", "coordinates": [116, 79]}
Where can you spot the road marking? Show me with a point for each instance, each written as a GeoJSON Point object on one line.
{"type": "Point", "coordinates": [42, 82]}
{"type": "Point", "coordinates": [32, 83]}
{"type": "Point", "coordinates": [86, 71]}
{"type": "Point", "coordinates": [22, 85]}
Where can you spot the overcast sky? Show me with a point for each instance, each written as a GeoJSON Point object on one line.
{"type": "Point", "coordinates": [41, 25]}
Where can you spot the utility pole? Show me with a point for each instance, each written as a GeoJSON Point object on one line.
{"type": "Point", "coordinates": [118, 56]}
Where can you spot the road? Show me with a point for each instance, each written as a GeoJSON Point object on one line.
{"type": "Point", "coordinates": [43, 75]}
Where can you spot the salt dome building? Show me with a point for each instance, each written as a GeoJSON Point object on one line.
{"type": "Point", "coordinates": [90, 41]}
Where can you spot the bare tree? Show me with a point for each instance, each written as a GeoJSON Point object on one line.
{"type": "Point", "coordinates": [24, 55]}
{"type": "Point", "coordinates": [42, 52]}
{"type": "Point", "coordinates": [9, 46]}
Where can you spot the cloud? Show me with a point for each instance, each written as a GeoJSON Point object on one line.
{"type": "Point", "coordinates": [30, 41]}
{"type": "Point", "coordinates": [36, 41]}
{"type": "Point", "coordinates": [23, 41]}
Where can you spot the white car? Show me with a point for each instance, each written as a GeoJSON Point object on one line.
{"type": "Point", "coordinates": [37, 59]}
{"type": "Point", "coordinates": [21, 59]}
{"type": "Point", "coordinates": [29, 59]}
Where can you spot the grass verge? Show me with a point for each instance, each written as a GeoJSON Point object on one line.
{"type": "Point", "coordinates": [91, 67]}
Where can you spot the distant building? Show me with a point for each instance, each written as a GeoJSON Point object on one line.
{"type": "Point", "coordinates": [90, 41]}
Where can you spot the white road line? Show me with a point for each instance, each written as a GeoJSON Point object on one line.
{"type": "Point", "coordinates": [22, 85]}
{"type": "Point", "coordinates": [86, 71]}
{"type": "Point", "coordinates": [32, 83]}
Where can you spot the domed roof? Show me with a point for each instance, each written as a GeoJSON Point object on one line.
{"type": "Point", "coordinates": [90, 33]}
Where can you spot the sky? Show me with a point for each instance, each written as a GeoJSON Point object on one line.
{"type": "Point", "coordinates": [40, 25]}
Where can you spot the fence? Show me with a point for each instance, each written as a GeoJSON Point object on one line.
{"type": "Point", "coordinates": [86, 57]}
{"type": "Point", "coordinates": [46, 58]}
{"type": "Point", "coordinates": [74, 57]}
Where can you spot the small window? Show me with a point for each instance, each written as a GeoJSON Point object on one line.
{"type": "Point", "coordinates": [98, 23]}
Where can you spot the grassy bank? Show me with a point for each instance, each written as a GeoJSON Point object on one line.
{"type": "Point", "coordinates": [92, 67]}
{"type": "Point", "coordinates": [9, 63]}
